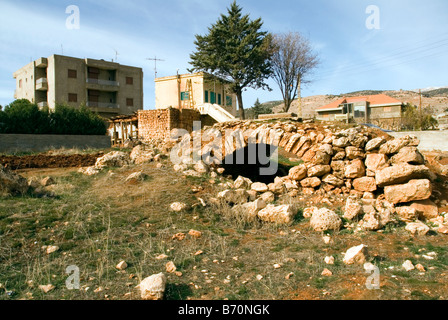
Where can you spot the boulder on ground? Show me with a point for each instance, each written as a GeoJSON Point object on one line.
{"type": "Point", "coordinates": [137, 177]}
{"type": "Point", "coordinates": [310, 182]}
{"type": "Point", "coordinates": [283, 214]}
{"type": "Point", "coordinates": [178, 206]}
{"type": "Point", "coordinates": [356, 255]}
{"type": "Point", "coordinates": [153, 287]}
{"type": "Point", "coordinates": [426, 209]}
{"type": "Point", "coordinates": [352, 209]}
{"type": "Point", "coordinates": [375, 143]}
{"type": "Point", "coordinates": [113, 159]}
{"type": "Point", "coordinates": [259, 187]}
{"type": "Point", "coordinates": [12, 183]}
{"type": "Point", "coordinates": [242, 183]}
{"type": "Point", "coordinates": [325, 219]}
{"type": "Point", "coordinates": [417, 228]}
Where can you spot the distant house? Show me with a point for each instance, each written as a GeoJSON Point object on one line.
{"type": "Point", "coordinates": [201, 91]}
{"type": "Point", "coordinates": [379, 109]}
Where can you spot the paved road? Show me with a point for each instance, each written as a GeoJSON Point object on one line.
{"type": "Point", "coordinates": [429, 140]}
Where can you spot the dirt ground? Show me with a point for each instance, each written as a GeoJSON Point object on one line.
{"type": "Point", "coordinates": [49, 161]}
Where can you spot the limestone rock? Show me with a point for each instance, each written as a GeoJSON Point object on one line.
{"type": "Point", "coordinates": [252, 208]}
{"type": "Point", "coordinates": [170, 267]}
{"type": "Point", "coordinates": [400, 173]}
{"type": "Point", "coordinates": [353, 153]}
{"type": "Point", "coordinates": [11, 182]}
{"type": "Point", "coordinates": [376, 161]}
{"type": "Point", "coordinates": [113, 159]}
{"type": "Point", "coordinates": [318, 170]}
{"type": "Point", "coordinates": [411, 191]}
{"type": "Point", "coordinates": [417, 228]}
{"type": "Point", "coordinates": [408, 266]}
{"type": "Point", "coordinates": [259, 187]}
{"type": "Point", "coordinates": [47, 288]}
{"type": "Point", "coordinates": [242, 183]}
{"type": "Point", "coordinates": [47, 181]}
{"type": "Point", "coordinates": [327, 273]}
{"type": "Point", "coordinates": [178, 206]}
{"type": "Point", "coordinates": [375, 143]}
{"type": "Point", "coordinates": [283, 214]}
{"type": "Point", "coordinates": [426, 209]}
{"type": "Point", "coordinates": [310, 182]}
{"type": "Point", "coordinates": [352, 208]}
{"type": "Point", "coordinates": [356, 255]}
{"type": "Point", "coordinates": [365, 184]}
{"type": "Point", "coordinates": [308, 212]}
{"type": "Point", "coordinates": [153, 287]}
{"type": "Point", "coordinates": [201, 167]}
{"type": "Point", "coordinates": [137, 177]}
{"type": "Point", "coordinates": [355, 169]}
{"type": "Point", "coordinates": [268, 197]}
{"type": "Point", "coordinates": [408, 155]}
{"type": "Point", "coordinates": [122, 265]}
{"type": "Point", "coordinates": [406, 213]}
{"type": "Point", "coordinates": [89, 171]}
{"type": "Point", "coordinates": [333, 180]}
{"type": "Point", "coordinates": [393, 146]}
{"type": "Point", "coordinates": [325, 219]}
{"type": "Point", "coordinates": [298, 173]}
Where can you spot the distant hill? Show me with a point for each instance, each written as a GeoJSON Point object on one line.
{"type": "Point", "coordinates": [436, 98]}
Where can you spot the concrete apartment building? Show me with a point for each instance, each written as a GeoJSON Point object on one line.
{"type": "Point", "coordinates": [380, 110]}
{"type": "Point", "coordinates": [200, 91]}
{"type": "Point", "coordinates": [107, 88]}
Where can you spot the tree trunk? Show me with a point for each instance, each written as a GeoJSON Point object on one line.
{"type": "Point", "coordinates": [299, 96]}
{"type": "Point", "coordinates": [239, 95]}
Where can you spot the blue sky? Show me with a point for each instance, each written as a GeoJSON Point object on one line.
{"type": "Point", "coordinates": [409, 51]}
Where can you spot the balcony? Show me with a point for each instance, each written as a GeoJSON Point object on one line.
{"type": "Point", "coordinates": [42, 84]}
{"type": "Point", "coordinates": [42, 63]}
{"type": "Point", "coordinates": [102, 85]}
{"type": "Point", "coordinates": [102, 105]}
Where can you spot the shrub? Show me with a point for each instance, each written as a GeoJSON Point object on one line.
{"type": "Point", "coordinates": [24, 117]}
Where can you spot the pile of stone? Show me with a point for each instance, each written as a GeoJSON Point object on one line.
{"type": "Point", "coordinates": [140, 154]}
{"type": "Point", "coordinates": [13, 184]}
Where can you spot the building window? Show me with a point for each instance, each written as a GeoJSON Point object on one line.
{"type": "Point", "coordinates": [206, 96]}
{"type": "Point", "coordinates": [129, 102]}
{"type": "Point", "coordinates": [229, 101]}
{"type": "Point", "coordinates": [72, 97]}
{"type": "Point", "coordinates": [212, 97]}
{"type": "Point", "coordinates": [184, 96]}
{"type": "Point", "coordinates": [72, 73]}
{"type": "Point", "coordinates": [360, 112]}
{"type": "Point", "coordinates": [20, 83]}
{"type": "Point", "coordinates": [219, 99]}
{"type": "Point", "coordinates": [129, 80]}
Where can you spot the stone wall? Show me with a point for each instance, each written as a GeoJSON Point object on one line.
{"type": "Point", "coordinates": [42, 142]}
{"type": "Point", "coordinates": [157, 124]}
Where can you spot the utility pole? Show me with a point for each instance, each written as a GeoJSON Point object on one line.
{"type": "Point", "coordinates": [155, 64]}
{"type": "Point", "coordinates": [420, 109]}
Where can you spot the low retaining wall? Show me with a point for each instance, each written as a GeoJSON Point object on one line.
{"type": "Point", "coordinates": [44, 142]}
{"type": "Point", "coordinates": [429, 140]}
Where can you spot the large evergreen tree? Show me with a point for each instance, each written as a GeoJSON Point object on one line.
{"type": "Point", "coordinates": [236, 50]}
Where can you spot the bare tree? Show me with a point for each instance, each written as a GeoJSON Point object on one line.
{"type": "Point", "coordinates": [293, 59]}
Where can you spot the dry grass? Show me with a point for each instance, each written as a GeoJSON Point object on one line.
{"type": "Point", "coordinates": [99, 221]}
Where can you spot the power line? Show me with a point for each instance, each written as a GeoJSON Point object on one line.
{"type": "Point", "coordinates": [418, 50]}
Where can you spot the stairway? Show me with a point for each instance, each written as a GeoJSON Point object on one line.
{"type": "Point", "coordinates": [216, 112]}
